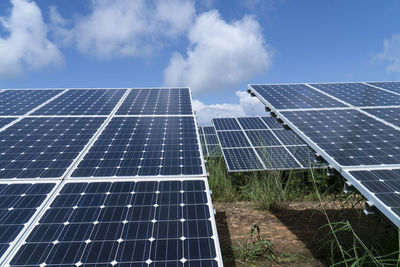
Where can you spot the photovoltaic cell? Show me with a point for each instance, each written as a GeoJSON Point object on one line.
{"type": "Point", "coordinates": [168, 101]}
{"type": "Point", "coordinates": [294, 96]}
{"type": "Point", "coordinates": [211, 139]}
{"type": "Point", "coordinates": [362, 144]}
{"type": "Point", "coordinates": [20, 102]}
{"type": "Point", "coordinates": [391, 86]}
{"type": "Point", "coordinates": [391, 115]}
{"type": "Point", "coordinates": [304, 155]}
{"type": "Point", "coordinates": [18, 203]}
{"type": "Point", "coordinates": [125, 223]}
{"type": "Point", "coordinates": [260, 147]}
{"type": "Point", "coordinates": [43, 147]}
{"type": "Point", "coordinates": [262, 138]}
{"type": "Point", "coordinates": [277, 158]}
{"type": "Point", "coordinates": [5, 121]}
{"type": "Point", "coordinates": [209, 142]}
{"type": "Point", "coordinates": [152, 221]}
{"type": "Point", "coordinates": [350, 137]}
{"type": "Point", "coordinates": [83, 102]}
{"type": "Point", "coordinates": [209, 130]}
{"type": "Point", "coordinates": [144, 146]}
{"type": "Point", "coordinates": [288, 138]}
{"type": "Point", "coordinates": [359, 94]}
{"type": "Point", "coordinates": [239, 159]}
{"type": "Point", "coordinates": [225, 124]}
{"type": "Point", "coordinates": [272, 123]}
{"type": "Point", "coordinates": [232, 139]}
{"type": "Point", "coordinates": [251, 123]}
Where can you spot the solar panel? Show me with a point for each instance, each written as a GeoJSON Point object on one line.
{"type": "Point", "coordinates": [391, 86]}
{"type": "Point", "coordinates": [391, 115]}
{"type": "Point", "coordinates": [257, 146]}
{"type": "Point", "coordinates": [350, 137]}
{"type": "Point", "coordinates": [83, 102]}
{"type": "Point", "coordinates": [18, 203]}
{"type": "Point", "coordinates": [226, 124]}
{"type": "Point", "coordinates": [144, 146]}
{"type": "Point", "coordinates": [156, 101]}
{"type": "Point", "coordinates": [5, 121]}
{"type": "Point", "coordinates": [162, 217]}
{"type": "Point", "coordinates": [361, 141]}
{"type": "Point", "coordinates": [40, 147]}
{"type": "Point", "coordinates": [209, 142]}
{"type": "Point", "coordinates": [294, 96]}
{"type": "Point", "coordinates": [359, 94]}
{"type": "Point", "coordinates": [19, 102]}
{"type": "Point", "coordinates": [242, 159]}
{"type": "Point", "coordinates": [135, 223]}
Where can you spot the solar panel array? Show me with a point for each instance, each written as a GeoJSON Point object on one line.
{"type": "Point", "coordinates": [260, 143]}
{"type": "Point", "coordinates": [209, 142]}
{"type": "Point", "coordinates": [103, 177]}
{"type": "Point", "coordinates": [355, 127]}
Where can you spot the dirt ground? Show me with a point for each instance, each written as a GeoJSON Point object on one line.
{"type": "Point", "coordinates": [295, 230]}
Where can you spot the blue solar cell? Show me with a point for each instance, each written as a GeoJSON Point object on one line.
{"type": "Point", "coordinates": [5, 121]}
{"type": "Point", "coordinates": [208, 130]}
{"type": "Point", "coordinates": [211, 139]}
{"type": "Point", "coordinates": [83, 102]}
{"type": "Point", "coordinates": [20, 102]}
{"type": "Point", "coordinates": [171, 101]}
{"type": "Point", "coordinates": [225, 124]}
{"type": "Point", "coordinates": [262, 138]}
{"type": "Point", "coordinates": [18, 203]}
{"type": "Point", "coordinates": [272, 123]}
{"type": "Point", "coordinates": [43, 147]}
{"type": "Point", "coordinates": [359, 94]}
{"type": "Point", "coordinates": [209, 142]}
{"type": "Point", "coordinates": [391, 86]}
{"type": "Point", "coordinates": [294, 96]}
{"type": "Point", "coordinates": [304, 155]}
{"type": "Point", "coordinates": [350, 137]}
{"type": "Point", "coordinates": [268, 144]}
{"type": "Point", "coordinates": [391, 115]}
{"type": "Point", "coordinates": [277, 158]}
{"type": "Point", "coordinates": [288, 138]}
{"type": "Point", "coordinates": [241, 159]}
{"type": "Point", "coordinates": [144, 146]}
{"type": "Point", "coordinates": [173, 224]}
{"type": "Point", "coordinates": [232, 139]}
{"type": "Point", "coordinates": [251, 123]}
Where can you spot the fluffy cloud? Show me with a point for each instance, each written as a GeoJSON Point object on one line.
{"type": "Point", "coordinates": [26, 46]}
{"type": "Point", "coordinates": [248, 106]}
{"type": "Point", "coordinates": [221, 55]}
{"type": "Point", "coordinates": [117, 28]}
{"type": "Point", "coordinates": [391, 53]}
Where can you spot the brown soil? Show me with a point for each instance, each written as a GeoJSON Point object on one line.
{"type": "Point", "coordinates": [296, 231]}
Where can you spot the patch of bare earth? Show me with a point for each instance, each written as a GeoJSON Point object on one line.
{"type": "Point", "coordinates": [297, 231]}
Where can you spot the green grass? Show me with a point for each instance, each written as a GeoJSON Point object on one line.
{"type": "Point", "coordinates": [255, 247]}
{"type": "Point", "coordinates": [268, 189]}
{"type": "Point", "coordinates": [380, 250]}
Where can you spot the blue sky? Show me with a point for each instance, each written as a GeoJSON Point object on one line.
{"type": "Point", "coordinates": [214, 47]}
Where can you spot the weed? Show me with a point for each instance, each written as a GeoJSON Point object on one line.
{"type": "Point", "coordinates": [219, 181]}
{"type": "Point", "coordinates": [357, 253]}
{"type": "Point", "coordinates": [255, 247]}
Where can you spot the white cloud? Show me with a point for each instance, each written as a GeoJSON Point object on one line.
{"type": "Point", "coordinates": [26, 47]}
{"type": "Point", "coordinates": [221, 55]}
{"type": "Point", "coordinates": [248, 106]}
{"type": "Point", "coordinates": [117, 28]}
{"type": "Point", "coordinates": [391, 53]}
